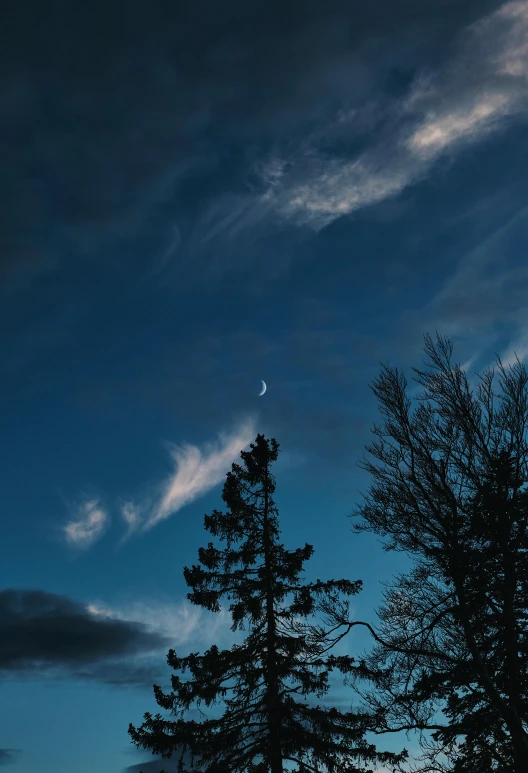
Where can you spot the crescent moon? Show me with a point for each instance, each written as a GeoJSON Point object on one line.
{"type": "Point", "coordinates": [264, 387]}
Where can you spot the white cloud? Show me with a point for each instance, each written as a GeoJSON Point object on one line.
{"type": "Point", "coordinates": [199, 471]}
{"type": "Point", "coordinates": [339, 188]}
{"type": "Point", "coordinates": [511, 58]}
{"type": "Point", "coordinates": [87, 526]}
{"type": "Point", "coordinates": [182, 621]}
{"type": "Point", "coordinates": [195, 473]}
{"type": "Point", "coordinates": [438, 133]}
{"type": "Point", "coordinates": [482, 87]}
{"type": "Point", "coordinates": [518, 349]}
{"type": "Point", "coordinates": [131, 513]}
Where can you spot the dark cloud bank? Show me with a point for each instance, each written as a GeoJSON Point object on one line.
{"type": "Point", "coordinates": [44, 634]}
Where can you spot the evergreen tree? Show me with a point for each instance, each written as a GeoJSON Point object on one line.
{"type": "Point", "coordinates": [264, 683]}
{"type": "Point", "coordinates": [449, 489]}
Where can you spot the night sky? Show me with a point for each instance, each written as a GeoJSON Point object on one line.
{"type": "Point", "coordinates": [196, 196]}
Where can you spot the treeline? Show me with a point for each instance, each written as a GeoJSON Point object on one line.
{"type": "Point", "coordinates": [449, 477]}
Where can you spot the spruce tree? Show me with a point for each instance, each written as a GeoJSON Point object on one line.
{"type": "Point", "coordinates": [264, 683]}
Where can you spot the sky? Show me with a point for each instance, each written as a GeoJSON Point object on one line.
{"type": "Point", "coordinates": [198, 196]}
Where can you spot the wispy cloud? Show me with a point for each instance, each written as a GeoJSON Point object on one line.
{"type": "Point", "coordinates": [438, 133]}
{"type": "Point", "coordinates": [180, 622]}
{"type": "Point", "coordinates": [489, 282]}
{"type": "Point", "coordinates": [484, 298]}
{"type": "Point", "coordinates": [196, 471]}
{"type": "Point", "coordinates": [518, 349]}
{"type": "Point", "coordinates": [88, 524]}
{"type": "Point", "coordinates": [131, 513]}
{"type": "Point", "coordinates": [477, 92]}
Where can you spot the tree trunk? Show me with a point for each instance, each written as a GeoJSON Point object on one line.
{"type": "Point", "coordinates": [272, 687]}
{"type": "Point", "coordinates": [518, 734]}
{"type": "Point", "coordinates": [519, 738]}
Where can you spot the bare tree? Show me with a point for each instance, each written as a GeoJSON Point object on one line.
{"type": "Point", "coordinates": [448, 488]}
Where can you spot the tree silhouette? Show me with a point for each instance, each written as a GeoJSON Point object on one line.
{"type": "Point", "coordinates": [264, 682]}
{"type": "Point", "coordinates": [449, 489]}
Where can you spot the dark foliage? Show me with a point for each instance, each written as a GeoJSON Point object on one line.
{"type": "Point", "coordinates": [264, 683]}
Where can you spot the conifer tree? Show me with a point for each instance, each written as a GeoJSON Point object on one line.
{"type": "Point", "coordinates": [268, 723]}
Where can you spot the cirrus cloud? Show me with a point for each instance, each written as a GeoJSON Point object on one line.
{"type": "Point", "coordinates": [475, 94]}
{"type": "Point", "coordinates": [196, 471]}
{"type": "Point", "coordinates": [87, 526]}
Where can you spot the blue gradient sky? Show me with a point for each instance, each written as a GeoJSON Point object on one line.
{"type": "Point", "coordinates": [195, 198]}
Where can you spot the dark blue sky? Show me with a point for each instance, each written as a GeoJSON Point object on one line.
{"type": "Point", "coordinates": [197, 196]}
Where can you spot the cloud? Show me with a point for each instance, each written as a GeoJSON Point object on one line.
{"type": "Point", "coordinates": [438, 134]}
{"type": "Point", "coordinates": [7, 756]}
{"type": "Point", "coordinates": [106, 158]}
{"type": "Point", "coordinates": [158, 764]}
{"type": "Point", "coordinates": [49, 634]}
{"type": "Point", "coordinates": [87, 526]}
{"type": "Point", "coordinates": [328, 188]}
{"type": "Point", "coordinates": [131, 513]}
{"type": "Point", "coordinates": [472, 96]}
{"type": "Point", "coordinates": [196, 472]}
{"type": "Point", "coordinates": [488, 282]}
{"type": "Point", "coordinates": [139, 673]}
{"type": "Point", "coordinates": [518, 349]}
{"type": "Point", "coordinates": [129, 112]}
{"type": "Point", "coordinates": [483, 301]}
{"type": "Point", "coordinates": [182, 622]}
{"type": "Point", "coordinates": [222, 376]}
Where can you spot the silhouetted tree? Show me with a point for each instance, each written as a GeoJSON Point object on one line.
{"type": "Point", "coordinates": [263, 682]}
{"type": "Point", "coordinates": [451, 652]}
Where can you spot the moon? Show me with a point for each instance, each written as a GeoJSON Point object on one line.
{"type": "Point", "coordinates": [264, 387]}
